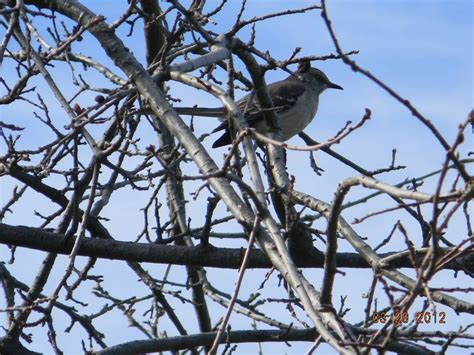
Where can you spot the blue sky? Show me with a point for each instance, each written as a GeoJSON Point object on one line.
{"type": "Point", "coordinates": [422, 49]}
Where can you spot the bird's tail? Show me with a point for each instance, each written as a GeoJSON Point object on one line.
{"type": "Point", "coordinates": [201, 111]}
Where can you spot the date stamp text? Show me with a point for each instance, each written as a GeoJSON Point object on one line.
{"type": "Point", "coordinates": [404, 317]}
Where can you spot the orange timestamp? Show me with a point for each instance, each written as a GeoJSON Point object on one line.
{"type": "Point", "coordinates": [403, 317]}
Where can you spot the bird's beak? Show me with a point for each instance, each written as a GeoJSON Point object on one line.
{"type": "Point", "coordinates": [334, 86]}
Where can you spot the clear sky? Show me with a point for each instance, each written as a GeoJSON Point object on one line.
{"type": "Point", "coordinates": [422, 49]}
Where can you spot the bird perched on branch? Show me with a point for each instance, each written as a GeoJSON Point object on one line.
{"type": "Point", "coordinates": [295, 100]}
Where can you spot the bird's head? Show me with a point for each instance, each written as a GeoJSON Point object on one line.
{"type": "Point", "coordinates": [315, 77]}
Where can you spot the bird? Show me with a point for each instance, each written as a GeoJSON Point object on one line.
{"type": "Point", "coordinates": [295, 100]}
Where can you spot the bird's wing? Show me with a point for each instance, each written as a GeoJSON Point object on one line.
{"type": "Point", "coordinates": [284, 97]}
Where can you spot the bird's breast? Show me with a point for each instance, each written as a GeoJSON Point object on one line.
{"type": "Point", "coordinates": [293, 122]}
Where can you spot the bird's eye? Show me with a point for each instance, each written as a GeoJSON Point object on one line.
{"type": "Point", "coordinates": [318, 77]}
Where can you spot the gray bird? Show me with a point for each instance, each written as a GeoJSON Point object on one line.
{"type": "Point", "coordinates": [295, 100]}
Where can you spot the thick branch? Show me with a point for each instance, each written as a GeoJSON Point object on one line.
{"type": "Point", "coordinates": [38, 239]}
